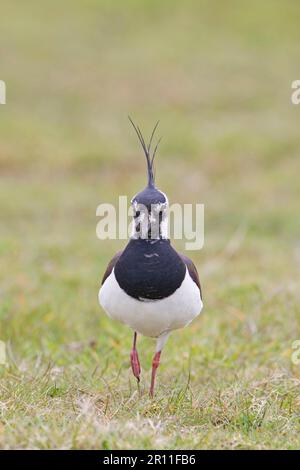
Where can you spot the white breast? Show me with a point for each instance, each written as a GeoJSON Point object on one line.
{"type": "Point", "coordinates": [152, 318]}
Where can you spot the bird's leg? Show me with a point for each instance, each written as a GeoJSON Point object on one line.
{"type": "Point", "coordinates": [134, 359]}
{"type": "Point", "coordinates": [161, 341]}
{"type": "Point", "coordinates": [155, 364]}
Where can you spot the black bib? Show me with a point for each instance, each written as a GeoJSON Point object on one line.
{"type": "Point", "coordinates": [149, 269]}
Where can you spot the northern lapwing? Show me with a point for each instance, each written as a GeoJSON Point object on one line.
{"type": "Point", "coordinates": [149, 286]}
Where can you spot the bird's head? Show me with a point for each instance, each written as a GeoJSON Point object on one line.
{"type": "Point", "coordinates": [150, 205]}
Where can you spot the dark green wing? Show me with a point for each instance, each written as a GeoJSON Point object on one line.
{"type": "Point", "coordinates": [111, 266]}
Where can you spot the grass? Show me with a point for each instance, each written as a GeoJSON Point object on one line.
{"type": "Point", "coordinates": [219, 78]}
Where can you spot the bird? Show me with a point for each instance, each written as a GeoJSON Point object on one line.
{"type": "Point", "coordinates": [149, 286]}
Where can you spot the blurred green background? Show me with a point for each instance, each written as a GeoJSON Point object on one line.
{"type": "Point", "coordinates": [218, 76]}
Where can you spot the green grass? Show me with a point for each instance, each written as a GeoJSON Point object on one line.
{"type": "Point", "coordinates": [218, 76]}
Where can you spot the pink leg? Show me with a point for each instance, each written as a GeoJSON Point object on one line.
{"type": "Point", "coordinates": [134, 359]}
{"type": "Point", "coordinates": [155, 364]}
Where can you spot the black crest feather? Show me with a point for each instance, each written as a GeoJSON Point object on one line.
{"type": "Point", "coordinates": [147, 150]}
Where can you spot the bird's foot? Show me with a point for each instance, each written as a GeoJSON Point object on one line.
{"type": "Point", "coordinates": [135, 364]}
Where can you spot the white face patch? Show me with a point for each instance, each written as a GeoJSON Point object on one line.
{"type": "Point", "coordinates": [150, 224]}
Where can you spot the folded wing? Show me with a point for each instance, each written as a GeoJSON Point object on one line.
{"type": "Point", "coordinates": [192, 270]}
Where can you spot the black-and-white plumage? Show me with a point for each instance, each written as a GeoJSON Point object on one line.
{"type": "Point", "coordinates": [149, 286]}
